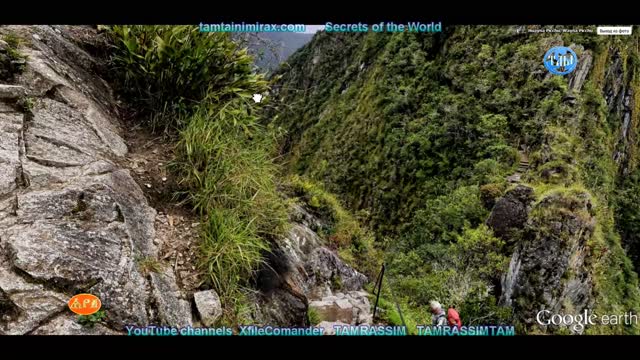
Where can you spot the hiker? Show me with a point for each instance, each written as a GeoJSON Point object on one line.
{"type": "Point", "coordinates": [453, 317]}
{"type": "Point", "coordinates": [438, 318]}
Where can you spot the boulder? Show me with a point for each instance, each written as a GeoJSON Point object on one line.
{"type": "Point", "coordinates": [208, 306]}
{"type": "Point", "coordinates": [172, 310]}
{"type": "Point", "coordinates": [510, 212]}
{"type": "Point", "coordinates": [300, 272]}
{"type": "Point", "coordinates": [361, 307]}
{"type": "Point", "coordinates": [515, 178]}
{"type": "Point", "coordinates": [324, 266]}
{"type": "Point", "coordinates": [349, 308]}
{"type": "Point", "coordinates": [333, 309]}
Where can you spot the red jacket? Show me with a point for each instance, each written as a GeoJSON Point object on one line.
{"type": "Point", "coordinates": [454, 318]}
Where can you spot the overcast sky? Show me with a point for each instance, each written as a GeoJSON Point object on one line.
{"type": "Point", "coordinates": [311, 29]}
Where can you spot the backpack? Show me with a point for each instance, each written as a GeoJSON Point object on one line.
{"type": "Point", "coordinates": [437, 320]}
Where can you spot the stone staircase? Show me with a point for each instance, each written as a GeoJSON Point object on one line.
{"type": "Point", "coordinates": [524, 163]}
{"type": "Point", "coordinates": [523, 167]}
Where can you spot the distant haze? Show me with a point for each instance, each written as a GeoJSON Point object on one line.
{"type": "Point", "coordinates": [312, 29]}
{"type": "Point", "coordinates": [270, 49]}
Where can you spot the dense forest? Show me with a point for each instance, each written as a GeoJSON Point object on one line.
{"type": "Point", "coordinates": [420, 134]}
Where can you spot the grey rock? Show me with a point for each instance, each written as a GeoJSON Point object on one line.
{"type": "Point", "coordinates": [301, 216]}
{"type": "Point", "coordinates": [11, 92]}
{"type": "Point", "coordinates": [301, 271]}
{"type": "Point", "coordinates": [361, 307]}
{"type": "Point", "coordinates": [579, 75]}
{"type": "Point", "coordinates": [6, 107]}
{"type": "Point", "coordinates": [172, 310]}
{"type": "Point", "coordinates": [320, 292]}
{"type": "Point", "coordinates": [336, 310]}
{"type": "Point", "coordinates": [299, 243]}
{"type": "Point", "coordinates": [208, 306]}
{"type": "Point", "coordinates": [73, 143]}
{"type": "Point", "coordinates": [625, 124]}
{"type": "Point", "coordinates": [283, 307]}
{"type": "Point", "coordinates": [350, 308]}
{"type": "Point", "coordinates": [66, 251]}
{"type": "Point", "coordinates": [23, 305]}
{"type": "Point", "coordinates": [324, 265]}
{"type": "Point", "coordinates": [515, 178]}
{"type": "Point", "coordinates": [67, 325]}
{"type": "Point", "coordinates": [70, 218]}
{"type": "Point", "coordinates": [91, 233]}
{"type": "Point", "coordinates": [10, 128]}
{"type": "Point", "coordinates": [510, 212]}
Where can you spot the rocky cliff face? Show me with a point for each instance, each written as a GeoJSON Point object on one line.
{"type": "Point", "coordinates": [303, 274]}
{"type": "Point", "coordinates": [549, 266]}
{"type": "Point", "coordinates": [72, 219]}
{"type": "Point", "coordinates": [619, 97]}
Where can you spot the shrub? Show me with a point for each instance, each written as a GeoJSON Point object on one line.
{"type": "Point", "coordinates": [490, 192]}
{"type": "Point", "coordinates": [355, 243]}
{"type": "Point", "coordinates": [199, 85]}
{"type": "Point", "coordinates": [444, 217]}
{"type": "Point", "coordinates": [223, 160]}
{"type": "Point", "coordinates": [314, 316]}
{"type": "Point", "coordinates": [148, 265]}
{"type": "Point", "coordinates": [478, 249]}
{"type": "Point", "coordinates": [91, 320]}
{"type": "Point", "coordinates": [166, 71]}
{"type": "Point", "coordinates": [230, 252]}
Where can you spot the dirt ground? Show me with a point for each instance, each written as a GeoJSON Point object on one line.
{"type": "Point", "coordinates": [177, 228]}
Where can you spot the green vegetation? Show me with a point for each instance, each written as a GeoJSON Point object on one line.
{"type": "Point", "coordinates": [413, 133]}
{"type": "Point", "coordinates": [628, 216]}
{"type": "Point", "coordinates": [148, 265]}
{"type": "Point", "coordinates": [355, 243]}
{"type": "Point", "coordinates": [12, 62]}
{"type": "Point", "coordinates": [91, 320]}
{"type": "Point", "coordinates": [27, 103]}
{"type": "Point", "coordinates": [200, 85]}
{"type": "Point", "coordinates": [418, 132]}
{"type": "Point", "coordinates": [314, 317]}
{"type": "Point", "coordinates": [167, 71]}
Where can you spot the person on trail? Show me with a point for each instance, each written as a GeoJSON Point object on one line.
{"type": "Point", "coordinates": [438, 318]}
{"type": "Point", "coordinates": [453, 317]}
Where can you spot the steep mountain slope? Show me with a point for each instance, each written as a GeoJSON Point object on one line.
{"type": "Point", "coordinates": [270, 49]}
{"type": "Point", "coordinates": [420, 132]}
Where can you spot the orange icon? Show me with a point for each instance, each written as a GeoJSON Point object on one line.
{"type": "Point", "coordinates": [85, 304]}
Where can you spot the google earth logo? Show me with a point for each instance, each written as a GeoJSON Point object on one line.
{"type": "Point", "coordinates": [560, 60]}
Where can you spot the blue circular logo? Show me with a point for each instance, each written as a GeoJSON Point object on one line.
{"type": "Point", "coordinates": [560, 60]}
